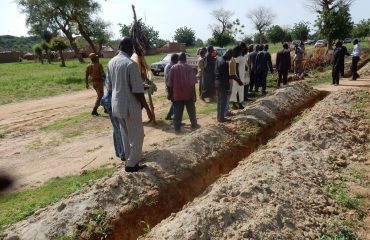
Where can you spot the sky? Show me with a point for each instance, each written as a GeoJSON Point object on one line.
{"type": "Point", "coordinates": [166, 16]}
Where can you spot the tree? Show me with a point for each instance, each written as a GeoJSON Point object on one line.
{"type": "Point", "coordinates": [58, 44]}
{"type": "Point", "coordinates": [45, 46]}
{"type": "Point", "coordinates": [160, 42]}
{"type": "Point", "coordinates": [258, 38]}
{"type": "Point", "coordinates": [248, 39]}
{"type": "Point", "coordinates": [42, 15]}
{"type": "Point", "coordinates": [262, 18]}
{"type": "Point", "coordinates": [148, 32]}
{"type": "Point", "coordinates": [319, 6]}
{"type": "Point", "coordinates": [37, 49]}
{"type": "Point", "coordinates": [199, 42]}
{"type": "Point", "coordinates": [335, 23]}
{"type": "Point", "coordinates": [99, 33]}
{"type": "Point", "coordinates": [361, 29]}
{"type": "Point", "coordinates": [275, 34]}
{"type": "Point", "coordinates": [300, 31]}
{"type": "Point", "coordinates": [225, 30]}
{"type": "Point", "coordinates": [185, 35]}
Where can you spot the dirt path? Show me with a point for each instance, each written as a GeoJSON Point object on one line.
{"type": "Point", "coordinates": [33, 156]}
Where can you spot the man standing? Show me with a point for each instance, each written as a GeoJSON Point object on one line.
{"type": "Point", "coordinates": [222, 84]}
{"type": "Point", "coordinates": [356, 53]}
{"type": "Point", "coordinates": [167, 68]}
{"type": "Point", "coordinates": [298, 61]}
{"type": "Point", "coordinates": [208, 84]}
{"type": "Point", "coordinates": [95, 71]}
{"type": "Point", "coordinates": [181, 83]}
{"type": "Point", "coordinates": [342, 56]}
{"type": "Point", "coordinates": [283, 64]}
{"type": "Point", "coordinates": [127, 101]}
{"type": "Point", "coordinates": [263, 65]}
{"type": "Point", "coordinates": [336, 69]}
{"type": "Point", "coordinates": [252, 67]}
{"type": "Point", "coordinates": [200, 72]}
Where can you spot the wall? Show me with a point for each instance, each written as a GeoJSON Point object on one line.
{"type": "Point", "coordinates": [8, 57]}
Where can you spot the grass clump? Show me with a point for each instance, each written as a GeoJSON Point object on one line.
{"type": "Point", "coordinates": [17, 206]}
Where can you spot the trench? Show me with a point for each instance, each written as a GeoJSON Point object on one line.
{"type": "Point", "coordinates": [172, 197]}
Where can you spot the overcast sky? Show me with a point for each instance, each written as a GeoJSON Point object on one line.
{"type": "Point", "coordinates": [168, 15]}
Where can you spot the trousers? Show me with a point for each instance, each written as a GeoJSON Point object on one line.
{"type": "Point", "coordinates": [132, 132]}
{"type": "Point", "coordinates": [99, 88]}
{"type": "Point", "coordinates": [355, 61]}
{"type": "Point", "coordinates": [283, 77]}
{"type": "Point", "coordinates": [178, 108]}
{"type": "Point", "coordinates": [221, 103]}
{"type": "Point", "coordinates": [117, 137]}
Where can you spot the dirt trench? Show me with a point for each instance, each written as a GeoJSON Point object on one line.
{"type": "Point", "coordinates": [278, 191]}
{"type": "Point", "coordinates": [176, 175]}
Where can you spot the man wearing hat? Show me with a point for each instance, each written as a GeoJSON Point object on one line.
{"type": "Point", "coordinates": [95, 71]}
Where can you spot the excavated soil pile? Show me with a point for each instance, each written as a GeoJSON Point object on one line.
{"type": "Point", "coordinates": [277, 192]}
{"type": "Point", "coordinates": [177, 172]}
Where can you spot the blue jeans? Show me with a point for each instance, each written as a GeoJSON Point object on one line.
{"type": "Point", "coordinates": [178, 107]}
{"type": "Point", "coordinates": [117, 137]}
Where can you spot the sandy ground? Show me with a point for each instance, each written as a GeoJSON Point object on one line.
{"type": "Point", "coordinates": [31, 157]}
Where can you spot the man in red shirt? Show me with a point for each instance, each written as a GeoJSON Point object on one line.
{"type": "Point", "coordinates": [181, 83]}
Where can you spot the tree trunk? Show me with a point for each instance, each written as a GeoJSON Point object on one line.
{"type": "Point", "coordinates": [260, 36]}
{"type": "Point", "coordinates": [48, 56]}
{"type": "Point", "coordinates": [86, 36]}
{"type": "Point", "coordinates": [73, 44]}
{"type": "Point", "coordinates": [62, 64]}
{"type": "Point", "coordinates": [41, 59]}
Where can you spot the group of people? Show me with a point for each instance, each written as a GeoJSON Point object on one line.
{"type": "Point", "coordinates": [225, 79]}
{"type": "Point", "coordinates": [339, 53]}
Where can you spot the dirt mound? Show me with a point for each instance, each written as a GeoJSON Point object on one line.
{"type": "Point", "coordinates": [277, 192]}
{"type": "Point", "coordinates": [177, 172]}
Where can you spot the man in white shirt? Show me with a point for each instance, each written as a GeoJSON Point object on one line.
{"type": "Point", "coordinates": [356, 52]}
{"type": "Point", "coordinates": [127, 101]}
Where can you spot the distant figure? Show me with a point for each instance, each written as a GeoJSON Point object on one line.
{"type": "Point", "coordinates": [263, 65]}
{"type": "Point", "coordinates": [208, 84]}
{"type": "Point", "coordinates": [95, 71]}
{"type": "Point", "coordinates": [243, 72]}
{"type": "Point", "coordinates": [234, 86]}
{"type": "Point", "coordinates": [356, 53]}
{"type": "Point", "coordinates": [336, 67]}
{"type": "Point", "coordinates": [167, 68]}
{"type": "Point", "coordinates": [341, 60]}
{"type": "Point", "coordinates": [200, 73]}
{"type": "Point", "coordinates": [222, 84]}
{"type": "Point", "coordinates": [181, 83]}
{"type": "Point", "coordinates": [283, 62]}
{"type": "Point", "coordinates": [298, 61]}
{"type": "Point", "coordinates": [124, 80]}
{"type": "Point", "coordinates": [106, 102]}
{"type": "Point", "coordinates": [252, 68]}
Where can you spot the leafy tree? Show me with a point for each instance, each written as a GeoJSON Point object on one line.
{"type": "Point", "coordinates": [319, 6]}
{"type": "Point", "coordinates": [22, 44]}
{"type": "Point", "coordinates": [262, 18]}
{"type": "Point", "coordinates": [221, 39]}
{"type": "Point", "coordinates": [335, 23]}
{"type": "Point", "coordinates": [248, 39]}
{"type": "Point", "coordinates": [199, 42]}
{"type": "Point", "coordinates": [275, 34]}
{"type": "Point", "coordinates": [48, 15]}
{"type": "Point", "coordinates": [37, 49]}
{"type": "Point", "coordinates": [287, 35]}
{"type": "Point", "coordinates": [225, 29]}
{"type": "Point", "coordinates": [45, 46]}
{"type": "Point", "coordinates": [258, 38]}
{"type": "Point", "coordinates": [185, 35]}
{"type": "Point", "coordinates": [160, 42]}
{"type": "Point", "coordinates": [300, 31]}
{"type": "Point", "coordinates": [361, 29]}
{"type": "Point", "coordinates": [58, 44]}
{"type": "Point", "coordinates": [148, 32]}
{"type": "Point", "coordinates": [99, 33]}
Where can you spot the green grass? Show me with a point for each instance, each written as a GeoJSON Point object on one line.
{"type": "Point", "coordinates": [66, 122]}
{"type": "Point", "coordinates": [17, 206]}
{"type": "Point", "coordinates": [342, 234]}
{"type": "Point", "coordinates": [29, 80]}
